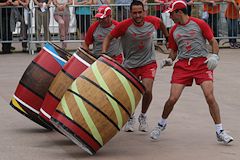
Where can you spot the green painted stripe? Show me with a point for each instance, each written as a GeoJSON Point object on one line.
{"type": "Point", "coordinates": [86, 115]}
{"type": "Point", "coordinates": [103, 84]}
{"type": "Point", "coordinates": [65, 108]}
{"type": "Point", "coordinates": [128, 89]}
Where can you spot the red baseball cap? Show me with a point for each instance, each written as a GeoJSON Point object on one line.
{"type": "Point", "coordinates": [175, 5]}
{"type": "Point", "coordinates": [103, 11]}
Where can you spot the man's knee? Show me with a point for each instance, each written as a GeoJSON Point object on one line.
{"type": "Point", "coordinates": [148, 92]}
{"type": "Point", "coordinates": [61, 23]}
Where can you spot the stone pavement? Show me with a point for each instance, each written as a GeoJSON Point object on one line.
{"type": "Point", "coordinates": [190, 133]}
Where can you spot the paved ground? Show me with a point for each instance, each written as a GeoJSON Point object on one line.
{"type": "Point", "coordinates": [190, 133]}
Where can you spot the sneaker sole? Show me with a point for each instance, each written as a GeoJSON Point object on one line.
{"type": "Point", "coordinates": [153, 139]}
{"type": "Point", "coordinates": [142, 130]}
{"type": "Point", "coordinates": [219, 140]}
{"type": "Point", "coordinates": [128, 130]}
{"type": "Point", "coordinates": [227, 142]}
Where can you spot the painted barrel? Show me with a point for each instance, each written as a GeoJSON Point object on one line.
{"type": "Point", "coordinates": [36, 80]}
{"type": "Point", "coordinates": [97, 104]}
{"type": "Point", "coordinates": [79, 62]}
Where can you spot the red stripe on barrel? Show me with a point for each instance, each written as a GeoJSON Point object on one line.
{"type": "Point", "coordinates": [46, 60]}
{"type": "Point", "coordinates": [28, 97]}
{"type": "Point", "coordinates": [77, 130]}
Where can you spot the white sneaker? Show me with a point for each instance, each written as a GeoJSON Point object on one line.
{"type": "Point", "coordinates": [155, 134]}
{"type": "Point", "coordinates": [143, 126]}
{"type": "Point", "coordinates": [129, 127]}
{"type": "Point", "coordinates": [224, 137]}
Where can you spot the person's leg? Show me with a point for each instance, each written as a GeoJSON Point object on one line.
{"type": "Point", "coordinates": [119, 16]}
{"type": "Point", "coordinates": [146, 100]}
{"type": "Point", "coordinates": [83, 26]}
{"type": "Point", "coordinates": [22, 26]}
{"type": "Point", "coordinates": [129, 127]}
{"type": "Point", "coordinates": [61, 26]}
{"type": "Point", "coordinates": [66, 19]}
{"type": "Point", "coordinates": [78, 25]}
{"type": "Point", "coordinates": [207, 87]}
{"type": "Point", "coordinates": [215, 23]}
{"type": "Point", "coordinates": [230, 32]}
{"type": "Point", "coordinates": [159, 32]}
{"type": "Point", "coordinates": [175, 93]}
{"type": "Point", "coordinates": [6, 34]}
{"type": "Point", "coordinates": [125, 13]}
{"type": "Point", "coordinates": [146, 74]}
{"type": "Point", "coordinates": [222, 136]}
{"type": "Point", "coordinates": [46, 22]}
{"type": "Point", "coordinates": [210, 19]}
{"type": "Point", "coordinates": [23, 32]}
{"type": "Point", "coordinates": [147, 97]}
{"type": "Point", "coordinates": [189, 10]}
{"type": "Point", "coordinates": [38, 25]}
{"type": "Point", "coordinates": [25, 37]}
{"type": "Point", "coordinates": [235, 30]}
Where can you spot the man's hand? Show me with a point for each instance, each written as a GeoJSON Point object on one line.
{"type": "Point", "coordinates": [166, 62]}
{"type": "Point", "coordinates": [212, 61]}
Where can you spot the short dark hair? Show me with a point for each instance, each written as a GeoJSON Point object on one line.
{"type": "Point", "coordinates": [136, 3]}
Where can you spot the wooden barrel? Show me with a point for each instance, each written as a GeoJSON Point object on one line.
{"type": "Point", "coordinates": [97, 104]}
{"type": "Point", "coordinates": [79, 62]}
{"type": "Point", "coordinates": [36, 80]}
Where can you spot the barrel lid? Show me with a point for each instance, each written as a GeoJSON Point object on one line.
{"type": "Point", "coordinates": [86, 53]}
{"type": "Point", "coordinates": [62, 52]}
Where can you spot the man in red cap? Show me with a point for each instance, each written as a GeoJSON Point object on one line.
{"type": "Point", "coordinates": [187, 42]}
{"type": "Point", "coordinates": [99, 30]}
{"type": "Point", "coordinates": [139, 54]}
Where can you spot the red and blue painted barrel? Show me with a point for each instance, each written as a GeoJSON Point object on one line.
{"type": "Point", "coordinates": [34, 84]}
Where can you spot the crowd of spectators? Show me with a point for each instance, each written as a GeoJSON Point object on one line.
{"type": "Point", "coordinates": [12, 11]}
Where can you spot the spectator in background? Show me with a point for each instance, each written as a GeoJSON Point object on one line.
{"type": "Point", "coordinates": [103, 2]}
{"type": "Point", "coordinates": [83, 16]}
{"type": "Point", "coordinates": [189, 6]}
{"type": "Point", "coordinates": [160, 8]}
{"type": "Point", "coordinates": [62, 16]}
{"type": "Point", "coordinates": [232, 15]}
{"type": "Point", "coordinates": [5, 25]}
{"type": "Point", "coordinates": [24, 26]}
{"type": "Point", "coordinates": [122, 11]}
{"type": "Point", "coordinates": [213, 10]}
{"type": "Point", "coordinates": [42, 18]}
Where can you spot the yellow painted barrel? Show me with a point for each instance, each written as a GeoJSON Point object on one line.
{"type": "Point", "coordinates": [98, 104]}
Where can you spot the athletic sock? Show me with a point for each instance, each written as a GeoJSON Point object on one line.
{"type": "Point", "coordinates": [219, 128]}
{"type": "Point", "coordinates": [143, 114]}
{"type": "Point", "coordinates": [162, 122]}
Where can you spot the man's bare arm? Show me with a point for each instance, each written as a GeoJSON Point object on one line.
{"type": "Point", "coordinates": [106, 43]}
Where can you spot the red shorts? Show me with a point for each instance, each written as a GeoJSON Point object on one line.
{"type": "Point", "coordinates": [118, 58]}
{"type": "Point", "coordinates": [147, 71]}
{"type": "Point", "coordinates": [188, 69]}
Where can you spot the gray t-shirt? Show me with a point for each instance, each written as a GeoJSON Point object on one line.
{"type": "Point", "coordinates": [137, 41]}
{"type": "Point", "coordinates": [190, 39]}
{"type": "Point", "coordinates": [96, 34]}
